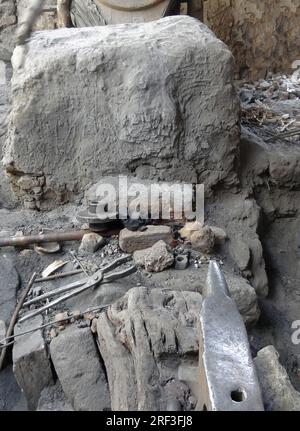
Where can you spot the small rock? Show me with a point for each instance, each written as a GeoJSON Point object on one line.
{"type": "Point", "coordinates": [91, 242]}
{"type": "Point", "coordinates": [240, 253]}
{"type": "Point", "coordinates": [277, 391]}
{"type": "Point", "coordinates": [203, 240]}
{"type": "Point", "coordinates": [189, 228]}
{"type": "Point", "coordinates": [61, 316]}
{"type": "Point", "coordinates": [26, 182]}
{"type": "Point", "coordinates": [53, 333]}
{"type": "Point", "coordinates": [89, 316]}
{"type": "Point", "coordinates": [220, 235]}
{"type": "Point", "coordinates": [264, 85]}
{"type": "Point", "coordinates": [130, 241]}
{"type": "Point", "coordinates": [76, 314]}
{"type": "Point", "coordinates": [26, 253]}
{"type": "Point", "coordinates": [201, 237]}
{"type": "Point", "coordinates": [155, 258]}
{"type": "Point", "coordinates": [30, 204]}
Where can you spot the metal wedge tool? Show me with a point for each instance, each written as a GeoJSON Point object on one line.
{"type": "Point", "coordinates": [227, 375]}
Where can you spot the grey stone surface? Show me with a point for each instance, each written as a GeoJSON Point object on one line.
{"type": "Point", "coordinates": [277, 390]}
{"type": "Point", "coordinates": [115, 99]}
{"type": "Point", "coordinates": [7, 198]}
{"type": "Point", "coordinates": [220, 235]}
{"type": "Point", "coordinates": [54, 399]}
{"type": "Point", "coordinates": [131, 241]}
{"type": "Point", "coordinates": [154, 259]}
{"type": "Point", "coordinates": [240, 252]}
{"type": "Point", "coordinates": [11, 396]}
{"type": "Point", "coordinates": [9, 283]}
{"type": "Point", "coordinates": [81, 374]}
{"type": "Point", "coordinates": [31, 363]}
{"type": "Point", "coordinates": [245, 297]}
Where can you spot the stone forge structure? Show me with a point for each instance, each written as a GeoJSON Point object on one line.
{"type": "Point", "coordinates": [153, 100]}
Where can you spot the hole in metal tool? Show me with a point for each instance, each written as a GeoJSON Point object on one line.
{"type": "Point", "coordinates": [238, 395]}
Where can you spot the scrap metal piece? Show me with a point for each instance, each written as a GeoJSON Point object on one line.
{"type": "Point", "coordinates": [93, 216]}
{"type": "Point", "coordinates": [228, 379]}
{"type": "Point", "coordinates": [181, 261]}
{"type": "Point", "coordinates": [19, 241]}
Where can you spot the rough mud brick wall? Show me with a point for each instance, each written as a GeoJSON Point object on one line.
{"type": "Point", "coordinates": [264, 35]}
{"type": "Point", "coordinates": [122, 100]}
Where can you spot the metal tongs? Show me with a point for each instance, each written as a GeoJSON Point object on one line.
{"type": "Point", "coordinates": [100, 276]}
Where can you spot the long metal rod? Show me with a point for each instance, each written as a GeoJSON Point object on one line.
{"type": "Point", "coordinates": [15, 316]}
{"type": "Point", "coordinates": [57, 291]}
{"type": "Point", "coordinates": [42, 238]}
{"type": "Point", "coordinates": [60, 275]}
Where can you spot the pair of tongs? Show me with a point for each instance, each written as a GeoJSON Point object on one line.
{"type": "Point", "coordinates": [100, 276]}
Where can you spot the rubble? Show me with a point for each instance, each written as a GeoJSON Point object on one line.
{"type": "Point", "coordinates": [131, 241]}
{"type": "Point", "coordinates": [52, 399]}
{"type": "Point", "coordinates": [189, 228]}
{"type": "Point", "coordinates": [271, 108]}
{"type": "Point", "coordinates": [245, 297]}
{"type": "Point", "coordinates": [155, 258]}
{"type": "Point", "coordinates": [2, 330]}
{"type": "Point", "coordinates": [28, 350]}
{"type": "Point", "coordinates": [80, 372]}
{"type": "Point", "coordinates": [278, 392]}
{"type": "Point", "coordinates": [91, 242]}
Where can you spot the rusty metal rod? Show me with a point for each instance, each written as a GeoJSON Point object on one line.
{"type": "Point", "coordinates": [76, 235]}
{"type": "Point", "coordinates": [42, 238]}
